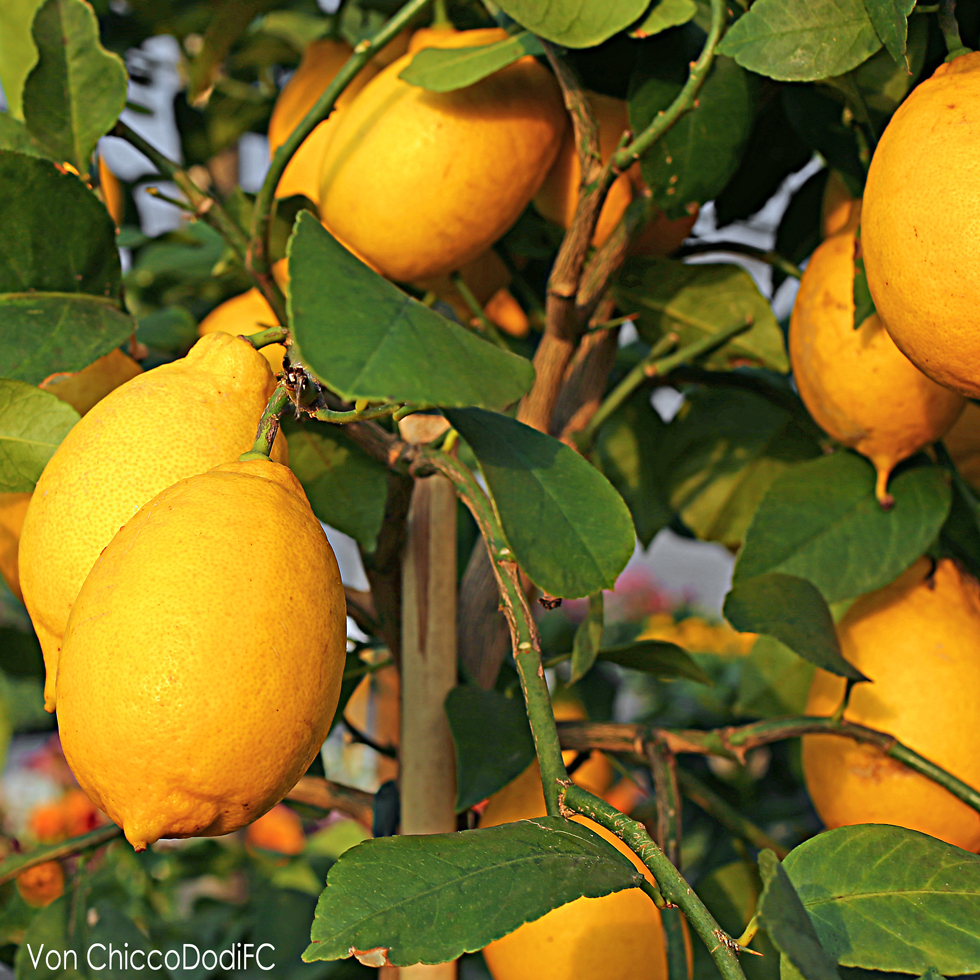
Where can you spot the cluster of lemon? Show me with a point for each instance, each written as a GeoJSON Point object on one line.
{"type": "Point", "coordinates": [420, 184]}
{"type": "Point", "coordinates": [188, 605]}
{"type": "Point", "coordinates": [888, 389]}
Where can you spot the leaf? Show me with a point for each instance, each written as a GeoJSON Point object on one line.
{"type": "Point", "coordinates": [17, 51]}
{"type": "Point", "coordinates": [626, 451]}
{"type": "Point", "coordinates": [48, 332]}
{"type": "Point", "coordinates": [448, 69]}
{"type": "Point", "coordinates": [890, 20]}
{"type": "Point", "coordinates": [347, 489]}
{"type": "Point", "coordinates": [575, 23]}
{"type": "Point", "coordinates": [864, 305]}
{"type": "Point", "coordinates": [697, 156]}
{"type": "Point", "coordinates": [14, 136]}
{"type": "Point", "coordinates": [816, 115]}
{"type": "Point", "coordinates": [49, 931]}
{"type": "Point", "coordinates": [568, 528]}
{"type": "Point", "coordinates": [493, 742]}
{"type": "Point", "coordinates": [658, 657]}
{"type": "Point", "coordinates": [774, 681]}
{"type": "Point", "coordinates": [430, 898]}
{"type": "Point", "coordinates": [782, 915]}
{"type": "Point", "coordinates": [77, 90]}
{"type": "Point", "coordinates": [58, 237]}
{"type": "Point", "coordinates": [793, 611]}
{"type": "Point", "coordinates": [664, 14]}
{"type": "Point", "coordinates": [801, 40]}
{"type": "Point", "coordinates": [721, 453]}
{"type": "Point", "coordinates": [820, 521]}
{"type": "Point", "coordinates": [887, 898]}
{"type": "Point", "coordinates": [588, 636]}
{"type": "Point", "coordinates": [32, 425]}
{"type": "Point", "coordinates": [364, 338]}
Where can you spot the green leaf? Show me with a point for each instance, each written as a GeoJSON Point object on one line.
{"type": "Point", "coordinates": [49, 931]}
{"type": "Point", "coordinates": [493, 742]}
{"type": "Point", "coordinates": [793, 611]}
{"type": "Point", "coordinates": [890, 20]}
{"type": "Point", "coordinates": [816, 115]}
{"type": "Point", "coordinates": [17, 51]}
{"type": "Point", "coordinates": [864, 305]}
{"type": "Point", "coordinates": [575, 23]}
{"type": "Point", "coordinates": [430, 898]}
{"type": "Point", "coordinates": [782, 915]}
{"type": "Point", "coordinates": [58, 237]}
{"type": "Point", "coordinates": [664, 14]}
{"type": "Point", "coordinates": [347, 489]}
{"type": "Point", "coordinates": [116, 928]}
{"type": "Point", "coordinates": [887, 898]}
{"type": "Point", "coordinates": [364, 338]}
{"type": "Point", "coordinates": [627, 452]}
{"type": "Point", "coordinates": [20, 653]}
{"type": "Point", "coordinates": [698, 155]}
{"type": "Point", "coordinates": [802, 40]}
{"type": "Point", "coordinates": [447, 69]}
{"type": "Point", "coordinates": [820, 521]}
{"type": "Point", "coordinates": [77, 90]}
{"type": "Point", "coordinates": [774, 681]}
{"type": "Point", "coordinates": [658, 657]}
{"type": "Point", "coordinates": [568, 528]}
{"type": "Point", "coordinates": [588, 636]}
{"type": "Point", "coordinates": [32, 425]}
{"type": "Point", "coordinates": [721, 453]}
{"type": "Point", "coordinates": [48, 332]}
{"type": "Point", "coordinates": [699, 300]}
{"type": "Point", "coordinates": [14, 136]}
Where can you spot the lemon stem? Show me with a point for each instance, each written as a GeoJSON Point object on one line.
{"type": "Point", "coordinates": [265, 338]}
{"type": "Point", "coordinates": [951, 30]}
{"type": "Point", "coordinates": [268, 425]}
{"type": "Point", "coordinates": [440, 15]}
{"type": "Point", "coordinates": [486, 327]}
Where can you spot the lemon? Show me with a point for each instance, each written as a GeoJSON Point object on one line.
{"type": "Point", "coordinates": [858, 386]}
{"type": "Point", "coordinates": [13, 510]}
{"type": "Point", "coordinates": [419, 183]}
{"type": "Point", "coordinates": [41, 885]}
{"type": "Point", "coordinates": [919, 226]}
{"type": "Point", "coordinates": [84, 389]}
{"type": "Point", "coordinates": [616, 937]}
{"type": "Point", "coordinates": [917, 639]}
{"type": "Point", "coordinates": [202, 661]}
{"type": "Point", "coordinates": [172, 422]}
{"type": "Point", "coordinates": [837, 209]}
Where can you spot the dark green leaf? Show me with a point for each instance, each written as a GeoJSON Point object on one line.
{"type": "Point", "coordinates": [802, 40]}
{"type": "Point", "coordinates": [890, 20]}
{"type": "Point", "coordinates": [774, 681]}
{"type": "Point", "coordinates": [347, 489]}
{"type": "Point", "coordinates": [365, 338]}
{"type": "Point", "coordinates": [793, 611]}
{"type": "Point", "coordinates": [116, 928]}
{"type": "Point", "coordinates": [700, 300]}
{"type": "Point", "coordinates": [77, 90]}
{"type": "Point", "coordinates": [568, 528]}
{"type": "Point", "coordinates": [799, 230]}
{"type": "Point", "coordinates": [32, 425]}
{"type": "Point", "coordinates": [721, 453]}
{"type": "Point", "coordinates": [864, 305]}
{"type": "Point", "coordinates": [14, 136]}
{"type": "Point", "coordinates": [782, 915]}
{"type": "Point", "coordinates": [49, 931]}
{"type": "Point", "coordinates": [17, 51]}
{"type": "Point", "coordinates": [20, 653]}
{"type": "Point", "coordinates": [48, 332]}
{"type": "Point", "coordinates": [664, 14]}
{"type": "Point", "coordinates": [627, 453]}
{"type": "Point", "coordinates": [588, 636]}
{"type": "Point", "coordinates": [697, 156]}
{"type": "Point", "coordinates": [170, 329]}
{"type": "Point", "coordinates": [887, 898]}
{"type": "Point", "coordinates": [447, 69]}
{"type": "Point", "coordinates": [58, 237]}
{"type": "Point", "coordinates": [429, 899]}
{"type": "Point", "coordinates": [817, 116]}
{"type": "Point", "coordinates": [575, 23]}
{"type": "Point", "coordinates": [820, 520]}
{"type": "Point", "coordinates": [493, 742]}
{"type": "Point", "coordinates": [658, 657]}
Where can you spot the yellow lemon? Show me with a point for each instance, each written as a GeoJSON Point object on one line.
{"type": "Point", "coordinates": [837, 209]}
{"type": "Point", "coordinates": [162, 426]}
{"type": "Point", "coordinates": [320, 63]}
{"type": "Point", "coordinates": [616, 937]}
{"type": "Point", "coordinates": [919, 228]}
{"type": "Point", "coordinates": [917, 639]}
{"type": "Point", "coordinates": [84, 389]}
{"type": "Point", "coordinates": [13, 509]}
{"type": "Point", "coordinates": [596, 773]}
{"type": "Point", "coordinates": [419, 183]}
{"type": "Point", "coordinates": [112, 193]}
{"type": "Point", "coordinates": [858, 386]}
{"type": "Point", "coordinates": [203, 657]}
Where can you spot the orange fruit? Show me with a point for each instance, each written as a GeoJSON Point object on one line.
{"type": "Point", "coordinates": [42, 884]}
{"type": "Point", "coordinates": [112, 193]}
{"type": "Point", "coordinates": [837, 211]}
{"type": "Point", "coordinates": [279, 830]}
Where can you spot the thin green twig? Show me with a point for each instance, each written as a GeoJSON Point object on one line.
{"type": "Point", "coordinates": [768, 256]}
{"type": "Point", "coordinates": [268, 425]}
{"type": "Point", "coordinates": [951, 30]}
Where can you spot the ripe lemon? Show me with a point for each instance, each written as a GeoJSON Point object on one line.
{"type": "Point", "coordinates": [919, 228]}
{"type": "Point", "coordinates": [13, 509]}
{"type": "Point", "coordinates": [596, 773]}
{"type": "Point", "coordinates": [858, 386]}
{"type": "Point", "coordinates": [419, 183]}
{"type": "Point", "coordinates": [837, 209]}
{"type": "Point", "coordinates": [249, 313]}
{"type": "Point", "coordinates": [917, 639]}
{"type": "Point", "coordinates": [616, 937]}
{"type": "Point", "coordinates": [963, 443]}
{"type": "Point", "coordinates": [172, 422]}
{"type": "Point", "coordinates": [203, 657]}
{"type": "Point", "coordinates": [112, 193]}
